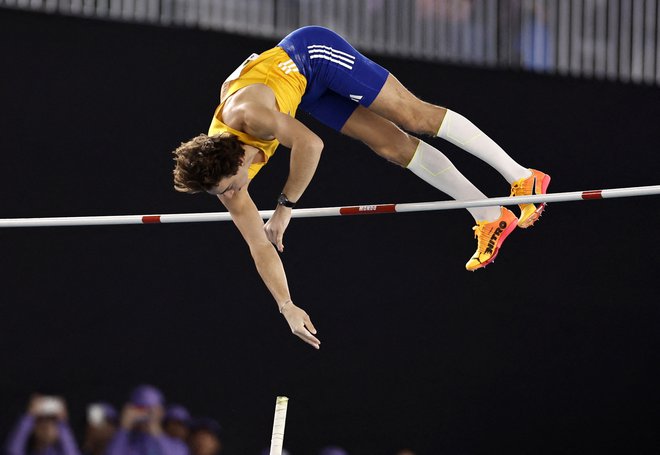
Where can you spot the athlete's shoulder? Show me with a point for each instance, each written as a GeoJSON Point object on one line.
{"type": "Point", "coordinates": [251, 97]}
{"type": "Point", "coordinates": [250, 114]}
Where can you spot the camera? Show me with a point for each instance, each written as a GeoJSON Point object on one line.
{"type": "Point", "coordinates": [50, 406]}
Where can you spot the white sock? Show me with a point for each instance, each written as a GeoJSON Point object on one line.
{"type": "Point", "coordinates": [432, 166]}
{"type": "Point", "coordinates": [464, 134]}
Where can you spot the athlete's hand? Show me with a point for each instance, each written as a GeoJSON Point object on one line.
{"type": "Point", "coordinates": [300, 324]}
{"type": "Point", "coordinates": [276, 226]}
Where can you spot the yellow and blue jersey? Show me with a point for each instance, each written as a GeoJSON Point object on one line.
{"type": "Point", "coordinates": [275, 69]}
{"type": "Point", "coordinates": [313, 69]}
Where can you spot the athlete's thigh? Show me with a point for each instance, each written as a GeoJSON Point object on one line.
{"type": "Point", "coordinates": [381, 135]}
{"type": "Point", "coordinates": [396, 103]}
{"type": "Point", "coordinates": [331, 109]}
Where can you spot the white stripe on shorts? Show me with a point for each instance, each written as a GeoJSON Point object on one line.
{"type": "Point", "coordinates": [321, 46]}
{"type": "Point", "coordinates": [332, 54]}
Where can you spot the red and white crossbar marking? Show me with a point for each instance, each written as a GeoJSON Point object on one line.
{"type": "Point", "coordinates": [332, 211]}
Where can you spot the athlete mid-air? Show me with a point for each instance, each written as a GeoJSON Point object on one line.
{"type": "Point", "coordinates": [316, 70]}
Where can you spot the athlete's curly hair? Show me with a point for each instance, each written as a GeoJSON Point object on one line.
{"type": "Point", "coordinates": [204, 160]}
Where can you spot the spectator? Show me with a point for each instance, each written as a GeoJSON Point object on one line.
{"type": "Point", "coordinates": [141, 431]}
{"type": "Point", "coordinates": [43, 430]}
{"type": "Point", "coordinates": [536, 37]}
{"type": "Point", "coordinates": [333, 450]}
{"type": "Point", "coordinates": [177, 422]}
{"type": "Point", "coordinates": [102, 420]}
{"type": "Point", "coordinates": [205, 437]}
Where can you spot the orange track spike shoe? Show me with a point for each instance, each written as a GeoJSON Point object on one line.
{"type": "Point", "coordinates": [490, 237]}
{"type": "Point", "coordinates": [537, 183]}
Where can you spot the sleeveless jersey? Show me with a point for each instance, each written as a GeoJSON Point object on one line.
{"type": "Point", "coordinates": [275, 69]}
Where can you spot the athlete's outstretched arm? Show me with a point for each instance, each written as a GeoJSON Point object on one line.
{"type": "Point", "coordinates": [306, 148]}
{"type": "Point", "coordinates": [245, 215]}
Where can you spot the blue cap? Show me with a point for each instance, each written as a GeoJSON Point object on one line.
{"type": "Point", "coordinates": [333, 451]}
{"type": "Point", "coordinates": [207, 424]}
{"type": "Point", "coordinates": [178, 413]}
{"type": "Point", "coordinates": [147, 396]}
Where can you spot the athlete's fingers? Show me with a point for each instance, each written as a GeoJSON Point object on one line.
{"type": "Point", "coordinates": [315, 341]}
{"type": "Point", "coordinates": [274, 236]}
{"type": "Point", "coordinates": [270, 234]}
{"type": "Point", "coordinates": [309, 325]}
{"type": "Point", "coordinates": [307, 337]}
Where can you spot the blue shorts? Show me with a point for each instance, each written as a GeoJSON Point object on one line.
{"type": "Point", "coordinates": [339, 78]}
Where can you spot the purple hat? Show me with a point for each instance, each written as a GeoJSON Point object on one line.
{"type": "Point", "coordinates": [147, 396]}
{"type": "Point", "coordinates": [178, 413]}
{"type": "Point", "coordinates": [333, 451]}
{"type": "Point", "coordinates": [210, 425]}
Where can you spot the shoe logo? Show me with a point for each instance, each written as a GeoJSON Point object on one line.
{"type": "Point", "coordinates": [493, 238]}
{"type": "Point", "coordinates": [356, 98]}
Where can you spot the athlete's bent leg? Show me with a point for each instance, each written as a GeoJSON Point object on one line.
{"type": "Point", "coordinates": [424, 160]}
{"type": "Point", "coordinates": [399, 105]}
{"type": "Point", "coordinates": [494, 224]}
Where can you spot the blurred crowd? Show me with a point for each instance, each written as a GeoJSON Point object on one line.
{"type": "Point", "coordinates": [146, 425]}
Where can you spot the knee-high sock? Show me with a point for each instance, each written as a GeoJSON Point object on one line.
{"type": "Point", "coordinates": [432, 166]}
{"type": "Point", "coordinates": [464, 134]}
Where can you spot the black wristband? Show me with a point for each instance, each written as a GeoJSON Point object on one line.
{"type": "Point", "coordinates": [283, 200]}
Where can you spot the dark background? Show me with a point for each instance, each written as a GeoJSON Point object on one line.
{"type": "Point", "coordinates": [554, 349]}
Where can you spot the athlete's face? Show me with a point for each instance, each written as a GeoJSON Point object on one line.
{"type": "Point", "coordinates": [229, 186]}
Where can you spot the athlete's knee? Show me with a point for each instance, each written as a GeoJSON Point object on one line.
{"type": "Point", "coordinates": [398, 150]}
{"type": "Point", "coordinates": [406, 116]}
{"type": "Point", "coordinates": [421, 117]}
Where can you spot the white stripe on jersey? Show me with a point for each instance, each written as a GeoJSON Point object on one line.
{"type": "Point", "coordinates": [325, 57]}
{"type": "Point", "coordinates": [332, 54]}
{"type": "Point", "coordinates": [288, 67]}
{"type": "Point", "coordinates": [321, 46]}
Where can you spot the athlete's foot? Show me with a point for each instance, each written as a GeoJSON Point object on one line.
{"type": "Point", "coordinates": [537, 183]}
{"type": "Point", "coordinates": [490, 237]}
